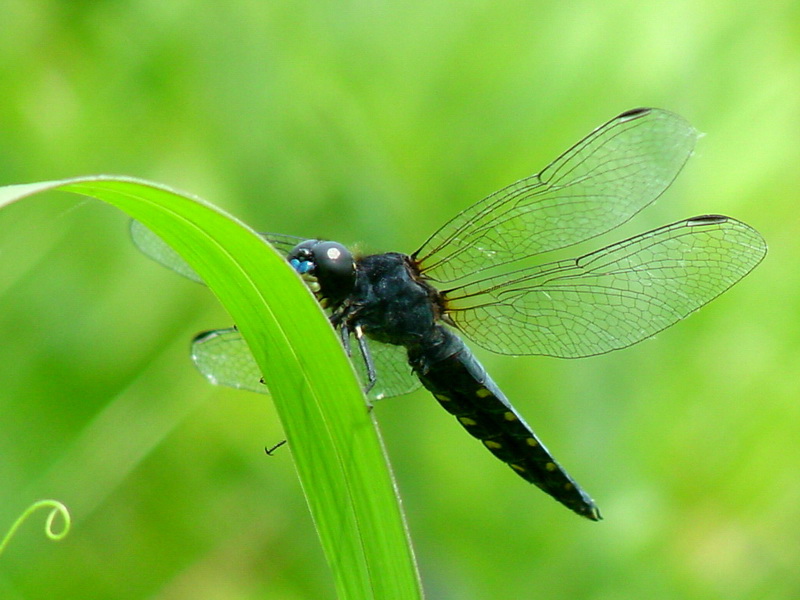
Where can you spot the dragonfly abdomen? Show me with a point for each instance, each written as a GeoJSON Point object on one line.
{"type": "Point", "coordinates": [450, 371]}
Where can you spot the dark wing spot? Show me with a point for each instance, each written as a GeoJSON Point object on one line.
{"type": "Point", "coordinates": [634, 113]}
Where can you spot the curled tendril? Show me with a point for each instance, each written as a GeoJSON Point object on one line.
{"type": "Point", "coordinates": [57, 508]}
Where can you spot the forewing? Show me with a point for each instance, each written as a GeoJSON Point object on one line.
{"type": "Point", "coordinates": [595, 186]}
{"type": "Point", "coordinates": [154, 247]}
{"type": "Point", "coordinates": [610, 298]}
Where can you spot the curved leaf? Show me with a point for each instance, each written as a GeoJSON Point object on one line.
{"type": "Point", "coordinates": [333, 439]}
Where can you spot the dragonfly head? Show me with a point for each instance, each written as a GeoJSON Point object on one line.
{"type": "Point", "coordinates": [329, 263]}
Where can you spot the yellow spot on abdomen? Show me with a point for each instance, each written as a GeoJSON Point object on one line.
{"type": "Point", "coordinates": [518, 468]}
{"type": "Point", "coordinates": [492, 444]}
{"type": "Point", "coordinates": [441, 398]}
{"type": "Point", "coordinates": [509, 416]}
{"type": "Point", "coordinates": [483, 393]}
{"type": "Point", "coordinates": [467, 421]}
{"type": "Point", "coordinates": [532, 442]}
{"type": "Point", "coordinates": [551, 466]}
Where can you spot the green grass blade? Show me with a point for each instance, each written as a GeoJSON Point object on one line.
{"type": "Point", "coordinates": [333, 439]}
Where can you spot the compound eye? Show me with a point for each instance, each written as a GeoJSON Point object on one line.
{"type": "Point", "coordinates": [333, 261]}
{"type": "Point", "coordinates": [329, 263]}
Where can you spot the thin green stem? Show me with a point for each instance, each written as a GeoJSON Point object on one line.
{"type": "Point", "coordinates": [57, 508]}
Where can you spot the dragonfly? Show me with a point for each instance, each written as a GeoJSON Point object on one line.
{"type": "Point", "coordinates": [407, 313]}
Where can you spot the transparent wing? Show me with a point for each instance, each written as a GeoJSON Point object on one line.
{"type": "Point", "coordinates": [595, 186]}
{"type": "Point", "coordinates": [610, 298]}
{"type": "Point", "coordinates": [393, 373]}
{"type": "Point", "coordinates": [154, 247]}
{"type": "Point", "coordinates": [224, 358]}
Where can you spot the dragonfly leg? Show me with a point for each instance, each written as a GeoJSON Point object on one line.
{"type": "Point", "coordinates": [344, 333]}
{"type": "Point", "coordinates": [367, 356]}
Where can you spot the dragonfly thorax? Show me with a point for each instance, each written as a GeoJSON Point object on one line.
{"type": "Point", "coordinates": [390, 302]}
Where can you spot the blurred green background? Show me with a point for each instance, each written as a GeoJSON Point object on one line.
{"type": "Point", "coordinates": [373, 123]}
